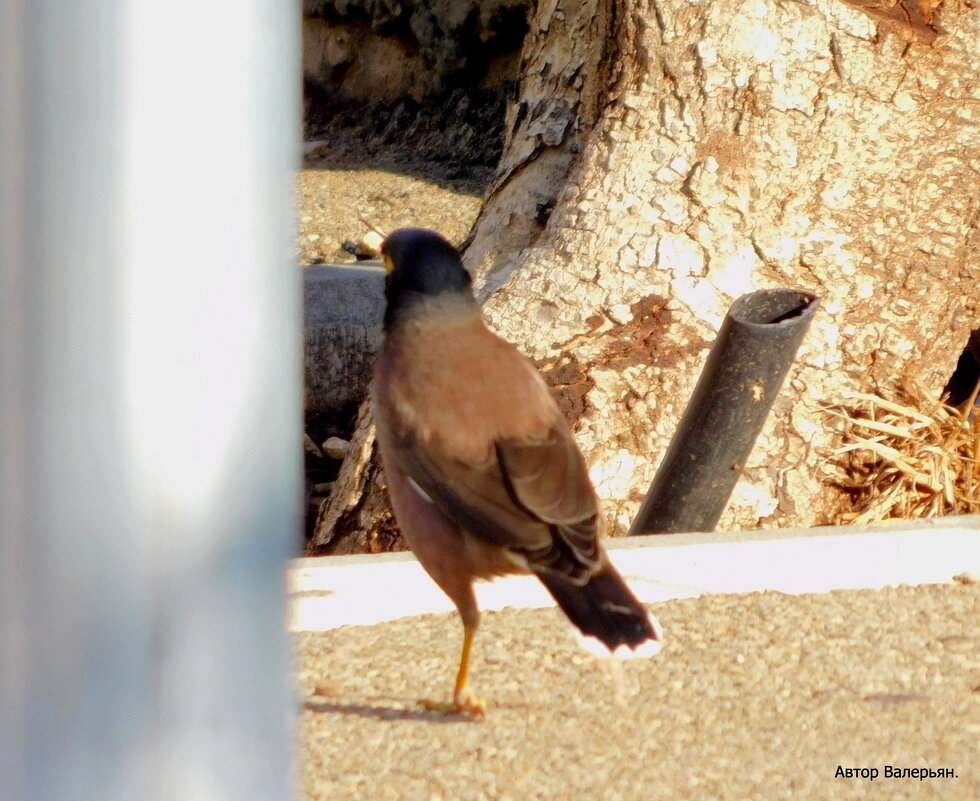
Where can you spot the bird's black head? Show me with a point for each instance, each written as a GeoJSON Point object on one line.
{"type": "Point", "coordinates": [420, 264]}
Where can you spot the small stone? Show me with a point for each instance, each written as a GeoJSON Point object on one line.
{"type": "Point", "coordinates": [315, 148]}
{"type": "Point", "coordinates": [311, 446]}
{"type": "Point", "coordinates": [326, 689]}
{"type": "Point", "coordinates": [967, 578]}
{"type": "Point", "coordinates": [371, 242]}
{"type": "Point", "coordinates": [335, 447]}
{"type": "Point", "coordinates": [367, 247]}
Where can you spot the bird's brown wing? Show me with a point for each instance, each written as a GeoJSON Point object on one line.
{"type": "Point", "coordinates": [530, 495]}
{"type": "Point", "coordinates": [550, 481]}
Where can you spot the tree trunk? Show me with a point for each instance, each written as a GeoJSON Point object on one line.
{"type": "Point", "coordinates": [665, 158]}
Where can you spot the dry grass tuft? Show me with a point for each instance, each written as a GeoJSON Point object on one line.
{"type": "Point", "coordinates": [906, 456]}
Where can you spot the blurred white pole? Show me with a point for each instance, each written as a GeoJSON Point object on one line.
{"type": "Point", "coordinates": [149, 398]}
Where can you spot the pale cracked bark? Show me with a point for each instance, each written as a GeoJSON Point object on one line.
{"type": "Point", "coordinates": [719, 148]}
{"type": "Point", "coordinates": [745, 145]}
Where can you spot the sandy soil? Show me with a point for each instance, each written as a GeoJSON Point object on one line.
{"type": "Point", "coordinates": [335, 198]}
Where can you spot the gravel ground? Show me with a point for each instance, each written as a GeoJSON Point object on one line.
{"type": "Point", "coordinates": [335, 197]}
{"type": "Point", "coordinates": [757, 696]}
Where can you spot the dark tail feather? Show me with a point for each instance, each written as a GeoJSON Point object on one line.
{"type": "Point", "coordinates": [606, 609]}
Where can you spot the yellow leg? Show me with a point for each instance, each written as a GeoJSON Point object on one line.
{"type": "Point", "coordinates": [462, 695]}
{"type": "Point", "coordinates": [463, 699]}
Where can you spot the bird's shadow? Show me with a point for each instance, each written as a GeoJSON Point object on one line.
{"type": "Point", "coordinates": [383, 708]}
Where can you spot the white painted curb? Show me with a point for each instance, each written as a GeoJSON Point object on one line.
{"type": "Point", "coordinates": [327, 592]}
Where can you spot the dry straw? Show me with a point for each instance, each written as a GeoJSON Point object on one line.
{"type": "Point", "coordinates": [906, 455]}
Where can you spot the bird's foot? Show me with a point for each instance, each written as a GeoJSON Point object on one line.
{"type": "Point", "coordinates": [464, 703]}
{"type": "Point", "coordinates": [471, 705]}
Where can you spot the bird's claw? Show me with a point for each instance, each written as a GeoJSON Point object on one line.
{"type": "Point", "coordinates": [471, 705]}
{"type": "Point", "coordinates": [464, 704]}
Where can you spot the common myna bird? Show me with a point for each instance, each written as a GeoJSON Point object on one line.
{"type": "Point", "coordinates": [484, 476]}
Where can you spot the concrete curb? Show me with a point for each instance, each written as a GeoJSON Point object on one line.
{"type": "Point", "coordinates": [332, 591]}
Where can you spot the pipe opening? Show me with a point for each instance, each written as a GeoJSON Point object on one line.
{"type": "Point", "coordinates": [772, 306]}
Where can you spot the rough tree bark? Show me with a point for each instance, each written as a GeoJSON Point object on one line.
{"type": "Point", "coordinates": [664, 158]}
